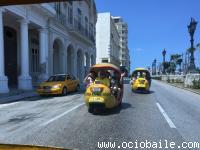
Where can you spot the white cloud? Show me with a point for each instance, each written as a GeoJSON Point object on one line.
{"type": "Point", "coordinates": [138, 49]}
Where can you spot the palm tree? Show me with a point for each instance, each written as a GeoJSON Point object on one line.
{"type": "Point", "coordinates": [166, 66]}
{"type": "Point", "coordinates": [175, 60]}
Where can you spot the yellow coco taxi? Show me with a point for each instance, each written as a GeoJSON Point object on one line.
{"type": "Point", "coordinates": [59, 84]}
{"type": "Point", "coordinates": [141, 80]}
{"type": "Point", "coordinates": [106, 91]}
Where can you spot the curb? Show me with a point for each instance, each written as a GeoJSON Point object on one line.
{"type": "Point", "coordinates": [15, 98]}
{"type": "Point", "coordinates": [182, 88]}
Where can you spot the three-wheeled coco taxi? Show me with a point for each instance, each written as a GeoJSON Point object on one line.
{"type": "Point", "coordinates": [141, 80]}
{"type": "Point", "coordinates": [107, 89]}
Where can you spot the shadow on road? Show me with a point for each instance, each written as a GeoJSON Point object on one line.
{"type": "Point", "coordinates": [115, 110]}
{"type": "Point", "coordinates": [144, 92]}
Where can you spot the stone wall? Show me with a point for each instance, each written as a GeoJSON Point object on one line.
{"type": "Point", "coordinates": [173, 78]}
{"type": "Point", "coordinates": [190, 78]}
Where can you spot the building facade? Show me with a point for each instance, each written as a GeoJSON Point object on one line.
{"type": "Point", "coordinates": [122, 28]}
{"type": "Point", "coordinates": [107, 40]}
{"type": "Point", "coordinates": [40, 40]}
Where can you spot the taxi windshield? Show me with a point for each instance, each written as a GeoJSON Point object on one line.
{"type": "Point", "coordinates": [57, 78]}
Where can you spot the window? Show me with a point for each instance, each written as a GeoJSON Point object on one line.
{"type": "Point", "coordinates": [86, 26]}
{"type": "Point", "coordinates": [104, 60]}
{"type": "Point", "coordinates": [70, 13]}
{"type": "Point", "coordinates": [91, 31]}
{"type": "Point", "coordinates": [58, 8]}
{"type": "Point", "coordinates": [34, 60]}
{"type": "Point", "coordinates": [57, 78]}
{"type": "Point", "coordinates": [79, 19]}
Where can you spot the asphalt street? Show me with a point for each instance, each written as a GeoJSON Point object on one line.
{"type": "Point", "coordinates": [167, 114]}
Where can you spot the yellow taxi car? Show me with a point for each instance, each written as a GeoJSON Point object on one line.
{"type": "Point", "coordinates": [59, 84]}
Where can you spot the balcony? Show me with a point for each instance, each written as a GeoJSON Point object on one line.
{"type": "Point", "coordinates": [75, 27]}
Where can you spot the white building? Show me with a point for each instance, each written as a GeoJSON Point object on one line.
{"type": "Point", "coordinates": [40, 40]}
{"type": "Point", "coordinates": [107, 40]}
{"type": "Point", "coordinates": [122, 28]}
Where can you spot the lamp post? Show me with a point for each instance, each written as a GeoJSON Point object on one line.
{"type": "Point", "coordinates": [154, 67]}
{"type": "Point", "coordinates": [191, 30]}
{"type": "Point", "coordinates": [164, 54]}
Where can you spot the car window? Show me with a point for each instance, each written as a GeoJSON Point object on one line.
{"type": "Point", "coordinates": [73, 78]}
{"type": "Point", "coordinates": [68, 77]}
{"type": "Point", "coordinates": [57, 78]}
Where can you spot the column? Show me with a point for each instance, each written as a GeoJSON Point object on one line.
{"type": "Point", "coordinates": [25, 81]}
{"type": "Point", "coordinates": [82, 69]}
{"type": "Point", "coordinates": [65, 56]}
{"type": "Point", "coordinates": [87, 63]}
{"type": "Point", "coordinates": [75, 63]}
{"type": "Point", "coordinates": [3, 78]}
{"type": "Point", "coordinates": [42, 52]}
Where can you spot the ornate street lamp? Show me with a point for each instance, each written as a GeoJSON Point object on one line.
{"type": "Point", "coordinates": [191, 30]}
{"type": "Point", "coordinates": [154, 67]}
{"type": "Point", "coordinates": [164, 54]}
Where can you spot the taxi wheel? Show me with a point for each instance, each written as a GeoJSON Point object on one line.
{"type": "Point", "coordinates": [90, 109]}
{"type": "Point", "coordinates": [64, 91]}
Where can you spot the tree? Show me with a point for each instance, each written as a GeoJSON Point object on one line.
{"type": "Point", "coordinates": [191, 49]}
{"type": "Point", "coordinates": [198, 46]}
{"type": "Point", "coordinates": [175, 60]}
{"type": "Point", "coordinates": [172, 67]}
{"type": "Point", "coordinates": [179, 62]}
{"type": "Point", "coordinates": [166, 66]}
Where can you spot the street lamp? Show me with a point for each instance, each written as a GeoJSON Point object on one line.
{"type": "Point", "coordinates": [164, 54]}
{"type": "Point", "coordinates": [154, 67]}
{"type": "Point", "coordinates": [191, 30]}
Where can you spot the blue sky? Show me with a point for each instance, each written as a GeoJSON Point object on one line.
{"type": "Point", "coordinates": [155, 25]}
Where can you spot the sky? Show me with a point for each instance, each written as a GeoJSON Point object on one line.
{"type": "Point", "coordinates": [154, 25]}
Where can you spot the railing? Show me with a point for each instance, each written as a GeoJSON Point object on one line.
{"type": "Point", "coordinates": [75, 25]}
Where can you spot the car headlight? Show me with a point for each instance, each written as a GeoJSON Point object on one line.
{"type": "Point", "coordinates": [57, 86]}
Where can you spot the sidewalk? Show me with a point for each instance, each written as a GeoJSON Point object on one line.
{"type": "Point", "coordinates": [181, 85]}
{"type": "Point", "coordinates": [16, 95]}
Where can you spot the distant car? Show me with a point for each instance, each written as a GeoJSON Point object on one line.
{"type": "Point", "coordinates": [59, 84]}
{"type": "Point", "coordinates": [141, 80]}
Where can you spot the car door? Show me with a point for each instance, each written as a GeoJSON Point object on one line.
{"type": "Point", "coordinates": [69, 83]}
{"type": "Point", "coordinates": [74, 83]}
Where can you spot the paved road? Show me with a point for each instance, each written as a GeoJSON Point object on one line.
{"type": "Point", "coordinates": [167, 114]}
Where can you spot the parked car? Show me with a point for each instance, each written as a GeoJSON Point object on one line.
{"type": "Point", "coordinates": [59, 84]}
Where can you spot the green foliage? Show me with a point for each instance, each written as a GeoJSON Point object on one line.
{"type": "Point", "coordinates": [168, 80]}
{"type": "Point", "coordinates": [198, 46]}
{"type": "Point", "coordinates": [172, 67]}
{"type": "Point", "coordinates": [198, 70]}
{"type": "Point", "coordinates": [179, 61]}
{"type": "Point", "coordinates": [191, 49]}
{"type": "Point", "coordinates": [175, 59]}
{"type": "Point", "coordinates": [196, 84]}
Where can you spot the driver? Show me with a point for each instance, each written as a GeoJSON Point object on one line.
{"type": "Point", "coordinates": [103, 78]}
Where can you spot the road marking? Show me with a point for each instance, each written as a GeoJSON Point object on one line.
{"type": "Point", "coordinates": [61, 115]}
{"type": "Point", "coordinates": [5, 105]}
{"type": "Point", "coordinates": [169, 121]}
